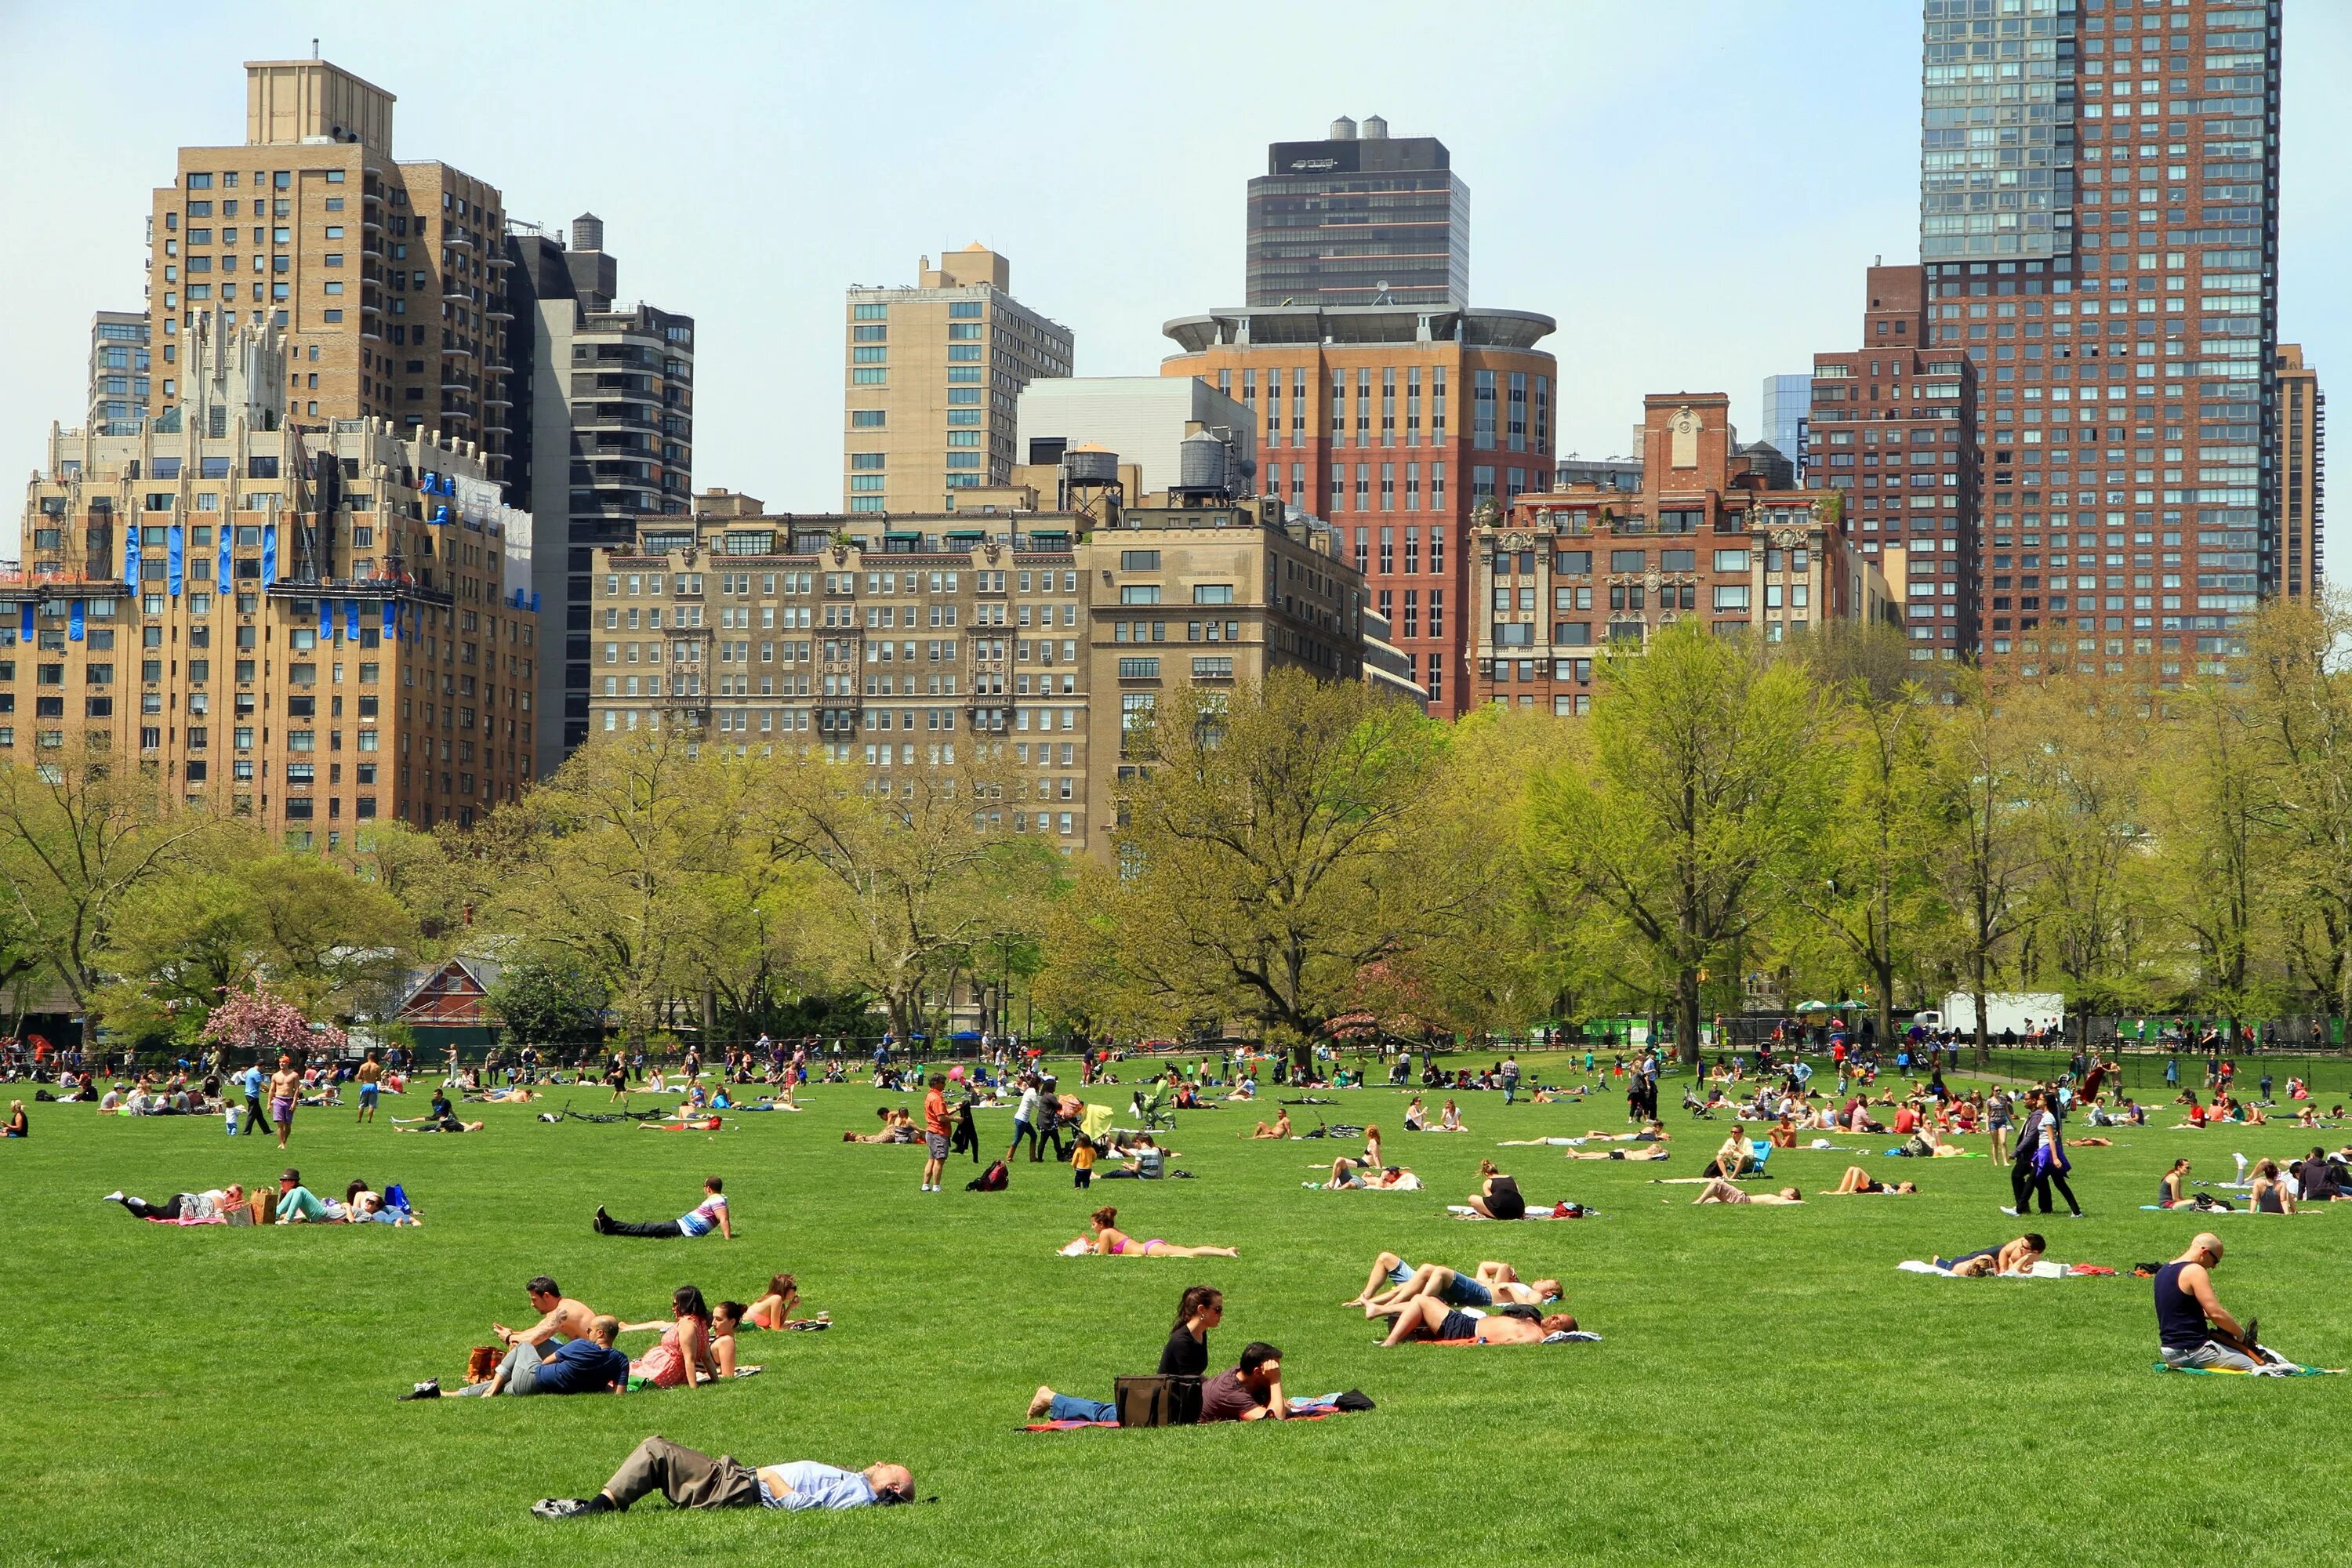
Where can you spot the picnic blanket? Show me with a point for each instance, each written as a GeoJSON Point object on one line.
{"type": "Point", "coordinates": [1573, 1211]}
{"type": "Point", "coordinates": [1073, 1425]}
{"type": "Point", "coordinates": [2044, 1269]}
{"type": "Point", "coordinates": [2283, 1370]}
{"type": "Point", "coordinates": [206, 1220]}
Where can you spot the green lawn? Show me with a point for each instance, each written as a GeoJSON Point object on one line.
{"type": "Point", "coordinates": [1770, 1387]}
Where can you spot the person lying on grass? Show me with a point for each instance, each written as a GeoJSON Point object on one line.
{"type": "Point", "coordinates": [690, 1478]}
{"type": "Point", "coordinates": [586, 1364]}
{"type": "Point", "coordinates": [1427, 1318]}
{"type": "Point", "coordinates": [683, 1355]}
{"type": "Point", "coordinates": [708, 1215]}
{"type": "Point", "coordinates": [1493, 1283]}
{"type": "Point", "coordinates": [1281, 1128]}
{"type": "Point", "coordinates": [1859, 1183]}
{"type": "Point", "coordinates": [1718, 1191]}
{"type": "Point", "coordinates": [1186, 1354]}
{"type": "Point", "coordinates": [774, 1309]}
{"type": "Point", "coordinates": [1647, 1152]}
{"type": "Point", "coordinates": [1105, 1239]}
{"type": "Point", "coordinates": [897, 1126]}
{"type": "Point", "coordinates": [1348, 1175]}
{"type": "Point", "coordinates": [2009, 1257]}
{"type": "Point", "coordinates": [1651, 1132]}
{"type": "Point", "coordinates": [214, 1203]}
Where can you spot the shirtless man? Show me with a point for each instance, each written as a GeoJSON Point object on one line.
{"type": "Point", "coordinates": [2010, 1257]}
{"type": "Point", "coordinates": [1427, 1318]}
{"type": "Point", "coordinates": [285, 1089]}
{"type": "Point", "coordinates": [560, 1315]}
{"type": "Point", "coordinates": [371, 1075]}
{"type": "Point", "coordinates": [1281, 1128]}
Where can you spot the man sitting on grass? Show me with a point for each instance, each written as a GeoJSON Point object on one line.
{"type": "Point", "coordinates": [2192, 1327]}
{"type": "Point", "coordinates": [690, 1478]}
{"type": "Point", "coordinates": [1427, 1318]}
{"type": "Point", "coordinates": [586, 1366]}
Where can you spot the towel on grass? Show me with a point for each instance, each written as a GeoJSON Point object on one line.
{"type": "Point", "coordinates": [1564, 1337]}
{"type": "Point", "coordinates": [1573, 1210]}
{"type": "Point", "coordinates": [2046, 1270]}
{"type": "Point", "coordinates": [191, 1219]}
{"type": "Point", "coordinates": [2280, 1371]}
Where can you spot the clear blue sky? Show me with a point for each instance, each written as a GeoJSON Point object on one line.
{"type": "Point", "coordinates": [1691, 191]}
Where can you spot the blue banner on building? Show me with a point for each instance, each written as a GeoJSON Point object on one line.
{"type": "Point", "coordinates": [175, 556]}
{"type": "Point", "coordinates": [351, 620]}
{"type": "Point", "coordinates": [74, 622]}
{"type": "Point", "coordinates": [326, 620]}
{"type": "Point", "coordinates": [26, 633]}
{"type": "Point", "coordinates": [130, 557]}
{"type": "Point", "coordinates": [225, 535]}
{"type": "Point", "coordinates": [268, 555]}
{"type": "Point", "coordinates": [391, 620]}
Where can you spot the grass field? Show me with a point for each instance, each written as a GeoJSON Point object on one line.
{"type": "Point", "coordinates": [1771, 1388]}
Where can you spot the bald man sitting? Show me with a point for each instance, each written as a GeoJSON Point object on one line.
{"type": "Point", "coordinates": [2187, 1315]}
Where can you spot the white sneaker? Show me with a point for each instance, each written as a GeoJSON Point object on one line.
{"type": "Point", "coordinates": [113, 1197]}
{"type": "Point", "coordinates": [2007, 1210]}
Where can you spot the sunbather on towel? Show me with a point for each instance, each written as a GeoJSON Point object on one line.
{"type": "Point", "coordinates": [1718, 1191]}
{"type": "Point", "coordinates": [2009, 1257]}
{"type": "Point", "coordinates": [1427, 1318]}
{"type": "Point", "coordinates": [1494, 1283]}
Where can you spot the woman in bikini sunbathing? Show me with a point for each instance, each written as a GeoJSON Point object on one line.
{"type": "Point", "coordinates": [774, 1307]}
{"type": "Point", "coordinates": [1109, 1241]}
{"type": "Point", "coordinates": [1859, 1183]}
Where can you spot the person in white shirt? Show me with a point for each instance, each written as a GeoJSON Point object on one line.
{"type": "Point", "coordinates": [1024, 1118]}
{"type": "Point", "coordinates": [211, 1204]}
{"type": "Point", "coordinates": [690, 1478]}
{"type": "Point", "coordinates": [708, 1215]}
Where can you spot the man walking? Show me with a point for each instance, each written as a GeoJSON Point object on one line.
{"type": "Point", "coordinates": [371, 1074]}
{"type": "Point", "coordinates": [254, 1078]}
{"type": "Point", "coordinates": [285, 1094]}
{"type": "Point", "coordinates": [1510, 1079]}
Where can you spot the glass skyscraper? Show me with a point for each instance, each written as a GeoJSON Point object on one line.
{"type": "Point", "coordinates": [1788, 415]}
{"type": "Point", "coordinates": [2098, 217]}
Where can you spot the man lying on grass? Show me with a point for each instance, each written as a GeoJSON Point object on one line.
{"type": "Point", "coordinates": [586, 1366]}
{"type": "Point", "coordinates": [1718, 1191]}
{"type": "Point", "coordinates": [1427, 1318]}
{"type": "Point", "coordinates": [690, 1478]}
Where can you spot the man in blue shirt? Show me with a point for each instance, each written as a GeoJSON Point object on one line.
{"type": "Point", "coordinates": [254, 1078]}
{"type": "Point", "coordinates": [576, 1366]}
{"type": "Point", "coordinates": [690, 1478]}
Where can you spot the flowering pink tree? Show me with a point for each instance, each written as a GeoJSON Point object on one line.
{"type": "Point", "coordinates": [257, 1020]}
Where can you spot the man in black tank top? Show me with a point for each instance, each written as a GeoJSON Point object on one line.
{"type": "Point", "coordinates": [2187, 1312]}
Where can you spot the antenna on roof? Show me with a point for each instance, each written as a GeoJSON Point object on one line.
{"type": "Point", "coordinates": [314, 49]}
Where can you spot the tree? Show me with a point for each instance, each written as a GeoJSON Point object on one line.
{"type": "Point", "coordinates": [76, 842]}
{"type": "Point", "coordinates": [327, 940]}
{"type": "Point", "coordinates": [1985, 859]}
{"type": "Point", "coordinates": [904, 885]}
{"type": "Point", "coordinates": [2214, 808]}
{"type": "Point", "coordinates": [1702, 792]}
{"type": "Point", "coordinates": [263, 1022]}
{"type": "Point", "coordinates": [1269, 851]}
{"type": "Point", "coordinates": [599, 863]}
{"type": "Point", "coordinates": [548, 1000]}
{"type": "Point", "coordinates": [1867, 884]}
{"type": "Point", "coordinates": [2300, 699]}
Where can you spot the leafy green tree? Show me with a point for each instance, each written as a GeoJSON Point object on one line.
{"type": "Point", "coordinates": [2299, 697]}
{"type": "Point", "coordinates": [548, 1000]}
{"type": "Point", "coordinates": [1701, 798]}
{"type": "Point", "coordinates": [1986, 861]}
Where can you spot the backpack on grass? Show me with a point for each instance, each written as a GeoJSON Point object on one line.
{"type": "Point", "coordinates": [995, 1179]}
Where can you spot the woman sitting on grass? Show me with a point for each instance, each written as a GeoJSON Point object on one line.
{"type": "Point", "coordinates": [1450, 1120]}
{"type": "Point", "coordinates": [1416, 1120]}
{"type": "Point", "coordinates": [1109, 1241]}
{"type": "Point", "coordinates": [684, 1352]}
{"type": "Point", "coordinates": [2267, 1193]}
{"type": "Point", "coordinates": [723, 1324]}
{"type": "Point", "coordinates": [897, 1126]}
{"type": "Point", "coordinates": [1498, 1196]}
{"type": "Point", "coordinates": [1859, 1183]}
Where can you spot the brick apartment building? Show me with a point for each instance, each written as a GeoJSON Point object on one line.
{"type": "Point", "coordinates": [1562, 574]}
{"type": "Point", "coordinates": [1893, 431]}
{"type": "Point", "coordinates": [1394, 423]}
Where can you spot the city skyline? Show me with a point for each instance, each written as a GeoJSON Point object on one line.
{"type": "Point", "coordinates": [1167, 243]}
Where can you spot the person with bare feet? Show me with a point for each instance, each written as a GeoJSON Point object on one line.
{"type": "Point", "coordinates": [1718, 1191]}
{"type": "Point", "coordinates": [1109, 1241]}
{"type": "Point", "coordinates": [1859, 1183]}
{"type": "Point", "coordinates": [1427, 1318]}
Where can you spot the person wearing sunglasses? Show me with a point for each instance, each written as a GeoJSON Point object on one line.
{"type": "Point", "coordinates": [2192, 1327]}
{"type": "Point", "coordinates": [690, 1478]}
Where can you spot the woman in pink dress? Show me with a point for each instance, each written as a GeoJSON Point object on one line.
{"type": "Point", "coordinates": [684, 1352]}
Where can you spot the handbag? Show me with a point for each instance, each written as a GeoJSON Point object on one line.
{"type": "Point", "coordinates": [1157, 1401]}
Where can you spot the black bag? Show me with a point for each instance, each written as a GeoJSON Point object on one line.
{"type": "Point", "coordinates": [992, 1179]}
{"type": "Point", "coordinates": [1157, 1401]}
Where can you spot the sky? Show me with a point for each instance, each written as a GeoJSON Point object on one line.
{"type": "Point", "coordinates": [1691, 191]}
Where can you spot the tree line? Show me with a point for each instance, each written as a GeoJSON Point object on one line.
{"type": "Point", "coordinates": [1307, 861]}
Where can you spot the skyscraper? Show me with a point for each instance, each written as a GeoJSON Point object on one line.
{"type": "Point", "coordinates": [384, 276]}
{"type": "Point", "coordinates": [605, 423]}
{"type": "Point", "coordinates": [1358, 219]}
{"type": "Point", "coordinates": [2303, 473]}
{"type": "Point", "coordinates": [2099, 223]}
{"type": "Point", "coordinates": [120, 370]}
{"type": "Point", "coordinates": [1788, 413]}
{"type": "Point", "coordinates": [931, 381]}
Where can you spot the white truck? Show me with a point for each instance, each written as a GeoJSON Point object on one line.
{"type": "Point", "coordinates": [2016, 1010]}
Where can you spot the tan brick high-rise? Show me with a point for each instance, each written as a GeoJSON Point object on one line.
{"type": "Point", "coordinates": [383, 276]}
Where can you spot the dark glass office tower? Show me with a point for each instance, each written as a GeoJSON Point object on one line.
{"type": "Point", "coordinates": [1358, 219]}
{"type": "Point", "coordinates": [2098, 219]}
